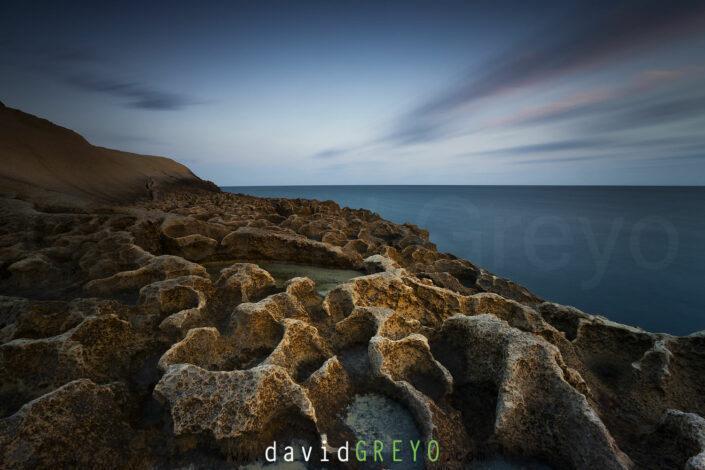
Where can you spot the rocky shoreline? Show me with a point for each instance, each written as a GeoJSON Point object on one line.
{"type": "Point", "coordinates": [118, 351]}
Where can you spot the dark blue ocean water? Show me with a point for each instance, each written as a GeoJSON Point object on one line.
{"type": "Point", "coordinates": [633, 254]}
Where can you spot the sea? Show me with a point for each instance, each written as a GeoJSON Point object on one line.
{"type": "Point", "coordinates": [635, 255]}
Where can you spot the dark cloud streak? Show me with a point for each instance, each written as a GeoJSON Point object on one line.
{"type": "Point", "coordinates": [626, 110]}
{"type": "Point", "coordinates": [563, 159]}
{"type": "Point", "coordinates": [540, 148]}
{"type": "Point", "coordinates": [73, 66]}
{"type": "Point", "coordinates": [658, 112]}
{"type": "Point", "coordinates": [331, 153]}
{"type": "Point", "coordinates": [608, 148]}
{"type": "Point", "coordinates": [136, 95]}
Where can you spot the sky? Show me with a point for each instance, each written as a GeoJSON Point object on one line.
{"type": "Point", "coordinates": [374, 92]}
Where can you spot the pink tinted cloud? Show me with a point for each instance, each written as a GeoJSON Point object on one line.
{"type": "Point", "coordinates": [640, 83]}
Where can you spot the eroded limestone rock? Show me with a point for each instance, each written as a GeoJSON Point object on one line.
{"type": "Point", "coordinates": [483, 365]}
{"type": "Point", "coordinates": [538, 412]}
{"type": "Point", "coordinates": [54, 430]}
{"type": "Point", "coordinates": [99, 348]}
{"type": "Point", "coordinates": [157, 268]}
{"type": "Point", "coordinates": [687, 432]}
{"type": "Point", "coordinates": [237, 409]}
{"type": "Point", "coordinates": [243, 282]}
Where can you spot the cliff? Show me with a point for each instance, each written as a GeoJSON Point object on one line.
{"type": "Point", "coordinates": [43, 160]}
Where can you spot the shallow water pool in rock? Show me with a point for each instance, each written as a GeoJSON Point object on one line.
{"type": "Point", "coordinates": [325, 278]}
{"type": "Point", "coordinates": [375, 417]}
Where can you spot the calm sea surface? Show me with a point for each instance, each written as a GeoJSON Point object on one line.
{"type": "Point", "coordinates": [633, 254]}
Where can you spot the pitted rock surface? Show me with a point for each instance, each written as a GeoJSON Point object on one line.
{"type": "Point", "coordinates": [118, 350]}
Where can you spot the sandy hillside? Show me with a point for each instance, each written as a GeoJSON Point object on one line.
{"type": "Point", "coordinates": [40, 159]}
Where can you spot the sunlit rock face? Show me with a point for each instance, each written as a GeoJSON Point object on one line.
{"type": "Point", "coordinates": [152, 335]}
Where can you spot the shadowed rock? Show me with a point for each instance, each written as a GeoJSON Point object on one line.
{"type": "Point", "coordinates": [54, 430]}
{"type": "Point", "coordinates": [237, 409]}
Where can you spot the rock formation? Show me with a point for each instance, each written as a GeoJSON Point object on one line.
{"type": "Point", "coordinates": [53, 164]}
{"type": "Point", "coordinates": [118, 350]}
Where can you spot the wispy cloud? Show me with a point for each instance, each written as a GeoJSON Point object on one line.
{"type": "Point", "coordinates": [554, 160]}
{"type": "Point", "coordinates": [689, 156]}
{"type": "Point", "coordinates": [541, 147]}
{"type": "Point", "coordinates": [658, 111]}
{"type": "Point", "coordinates": [134, 94]}
{"type": "Point", "coordinates": [597, 36]}
{"type": "Point", "coordinates": [619, 107]}
{"type": "Point", "coordinates": [331, 153]}
{"type": "Point", "coordinates": [76, 66]}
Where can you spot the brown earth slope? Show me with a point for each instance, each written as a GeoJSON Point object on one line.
{"type": "Point", "coordinates": [40, 159]}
